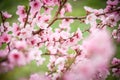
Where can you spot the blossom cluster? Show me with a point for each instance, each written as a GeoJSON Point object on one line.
{"type": "Point", "coordinates": [24, 40]}
{"type": "Point", "coordinates": [116, 70]}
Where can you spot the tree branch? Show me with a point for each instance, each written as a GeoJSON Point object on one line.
{"type": "Point", "coordinates": [83, 17]}
{"type": "Point", "coordinates": [108, 12]}
{"type": "Point", "coordinates": [3, 20]}
{"type": "Point", "coordinates": [3, 59]}
{"type": "Point", "coordinates": [57, 13]}
{"type": "Point", "coordinates": [27, 16]}
{"type": "Point", "coordinates": [115, 66]}
{"type": "Point", "coordinates": [78, 52]}
{"type": "Point", "coordinates": [75, 18]}
{"type": "Point", "coordinates": [48, 54]}
{"type": "Point", "coordinates": [55, 17]}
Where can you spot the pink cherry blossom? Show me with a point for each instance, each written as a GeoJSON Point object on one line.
{"type": "Point", "coordinates": [5, 67]}
{"type": "Point", "coordinates": [52, 50]}
{"type": "Point", "coordinates": [5, 27]}
{"type": "Point", "coordinates": [5, 38]}
{"type": "Point", "coordinates": [115, 61]}
{"type": "Point", "coordinates": [21, 45]}
{"type": "Point", "coordinates": [91, 19]}
{"type": "Point", "coordinates": [35, 54]}
{"type": "Point", "coordinates": [48, 10]}
{"type": "Point", "coordinates": [64, 35]}
{"type": "Point", "coordinates": [50, 2]}
{"type": "Point", "coordinates": [111, 20]}
{"type": "Point", "coordinates": [65, 24]}
{"type": "Point", "coordinates": [16, 27]}
{"type": "Point", "coordinates": [94, 58]}
{"type": "Point", "coordinates": [114, 33]}
{"type": "Point", "coordinates": [60, 63]}
{"type": "Point", "coordinates": [4, 53]}
{"type": "Point", "coordinates": [62, 12]}
{"type": "Point", "coordinates": [116, 71]}
{"type": "Point", "coordinates": [103, 50]}
{"type": "Point", "coordinates": [88, 9]}
{"type": "Point", "coordinates": [83, 71]}
{"type": "Point", "coordinates": [68, 7]}
{"type": "Point", "coordinates": [45, 18]}
{"type": "Point", "coordinates": [21, 11]}
{"type": "Point", "coordinates": [70, 55]}
{"type": "Point", "coordinates": [102, 73]}
{"type": "Point", "coordinates": [6, 15]}
{"type": "Point", "coordinates": [38, 77]}
{"type": "Point", "coordinates": [17, 58]}
{"type": "Point", "coordinates": [35, 6]}
{"type": "Point", "coordinates": [114, 2]}
{"type": "Point", "coordinates": [78, 34]}
{"type": "Point", "coordinates": [26, 32]}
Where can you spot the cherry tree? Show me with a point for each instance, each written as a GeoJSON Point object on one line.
{"type": "Point", "coordinates": [92, 58]}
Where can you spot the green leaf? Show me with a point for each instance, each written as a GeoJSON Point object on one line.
{"type": "Point", "coordinates": [10, 32]}
{"type": "Point", "coordinates": [36, 28]}
{"type": "Point", "coordinates": [3, 46]}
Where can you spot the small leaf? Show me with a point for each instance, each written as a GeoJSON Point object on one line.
{"type": "Point", "coordinates": [10, 32]}
{"type": "Point", "coordinates": [3, 46]}
{"type": "Point", "coordinates": [36, 28]}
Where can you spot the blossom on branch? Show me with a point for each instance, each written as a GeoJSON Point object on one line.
{"type": "Point", "coordinates": [43, 37]}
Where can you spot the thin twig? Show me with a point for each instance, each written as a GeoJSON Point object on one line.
{"type": "Point", "coordinates": [3, 59]}
{"type": "Point", "coordinates": [3, 21]}
{"type": "Point", "coordinates": [108, 12]}
{"type": "Point", "coordinates": [27, 16]}
{"type": "Point", "coordinates": [48, 54]}
{"type": "Point", "coordinates": [115, 66]}
{"type": "Point", "coordinates": [55, 17]}
{"type": "Point", "coordinates": [51, 72]}
{"type": "Point", "coordinates": [83, 17]}
{"type": "Point", "coordinates": [57, 13]}
{"type": "Point", "coordinates": [78, 52]}
{"type": "Point", "coordinates": [75, 18]}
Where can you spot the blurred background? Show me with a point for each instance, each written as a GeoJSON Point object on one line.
{"type": "Point", "coordinates": [78, 10]}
